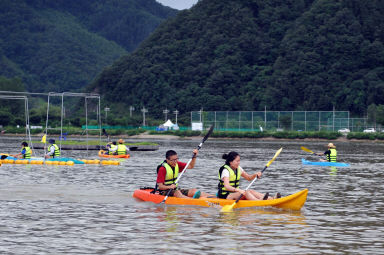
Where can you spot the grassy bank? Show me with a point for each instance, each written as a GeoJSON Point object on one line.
{"type": "Point", "coordinates": [95, 142]}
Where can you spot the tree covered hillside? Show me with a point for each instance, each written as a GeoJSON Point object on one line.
{"type": "Point", "coordinates": [245, 55]}
{"type": "Point", "coordinates": [62, 45]}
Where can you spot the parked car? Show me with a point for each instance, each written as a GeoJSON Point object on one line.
{"type": "Point", "coordinates": [344, 130]}
{"type": "Point", "coordinates": [369, 130]}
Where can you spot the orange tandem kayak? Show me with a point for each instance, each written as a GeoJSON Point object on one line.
{"type": "Point", "coordinates": [102, 155]}
{"type": "Point", "coordinates": [292, 202]}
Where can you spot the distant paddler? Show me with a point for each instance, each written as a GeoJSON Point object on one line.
{"type": "Point", "coordinates": [26, 152]}
{"type": "Point", "coordinates": [121, 148]}
{"type": "Point", "coordinates": [331, 153]}
{"type": "Point", "coordinates": [112, 148]}
{"type": "Point", "coordinates": [53, 150]}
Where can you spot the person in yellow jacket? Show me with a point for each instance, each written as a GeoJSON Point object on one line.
{"type": "Point", "coordinates": [26, 152]}
{"type": "Point", "coordinates": [229, 180]}
{"type": "Point", "coordinates": [167, 173]}
{"type": "Point", "coordinates": [331, 153]}
{"type": "Point", "coordinates": [120, 149]}
{"type": "Point", "coordinates": [53, 150]}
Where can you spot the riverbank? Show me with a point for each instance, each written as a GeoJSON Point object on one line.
{"type": "Point", "coordinates": [166, 136]}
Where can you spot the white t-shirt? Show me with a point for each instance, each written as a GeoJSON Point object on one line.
{"type": "Point", "coordinates": [225, 172]}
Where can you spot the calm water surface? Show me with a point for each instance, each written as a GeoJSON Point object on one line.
{"type": "Point", "coordinates": [89, 209]}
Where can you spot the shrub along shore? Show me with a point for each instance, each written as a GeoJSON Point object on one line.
{"type": "Point", "coordinates": [71, 131]}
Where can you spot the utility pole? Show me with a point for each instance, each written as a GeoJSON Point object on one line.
{"type": "Point", "coordinates": [106, 109]}
{"type": "Point", "coordinates": [166, 111]}
{"type": "Point", "coordinates": [176, 112]}
{"type": "Point", "coordinates": [144, 111]}
{"type": "Point", "coordinates": [131, 108]}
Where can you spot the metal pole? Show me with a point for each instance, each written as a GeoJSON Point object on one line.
{"type": "Point", "coordinates": [61, 126]}
{"type": "Point", "coordinates": [265, 116]}
{"type": "Point", "coordinates": [176, 112]}
{"type": "Point", "coordinates": [86, 121]}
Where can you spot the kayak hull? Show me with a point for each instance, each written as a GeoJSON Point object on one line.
{"type": "Point", "coordinates": [112, 156]}
{"type": "Point", "coordinates": [337, 164]}
{"type": "Point", "coordinates": [61, 159]}
{"type": "Point", "coordinates": [292, 202]}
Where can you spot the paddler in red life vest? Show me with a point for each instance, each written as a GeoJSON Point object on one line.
{"type": "Point", "coordinates": [331, 153]}
{"type": "Point", "coordinates": [167, 173]}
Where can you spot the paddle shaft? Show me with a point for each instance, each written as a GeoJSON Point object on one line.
{"type": "Point", "coordinates": [186, 166]}
{"type": "Point", "coordinates": [308, 150]}
{"type": "Point", "coordinates": [237, 200]}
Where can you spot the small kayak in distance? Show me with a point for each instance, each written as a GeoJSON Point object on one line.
{"type": "Point", "coordinates": [102, 155]}
{"type": "Point", "coordinates": [326, 163]}
{"type": "Point", "coordinates": [292, 202]}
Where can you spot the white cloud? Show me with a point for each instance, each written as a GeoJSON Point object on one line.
{"type": "Point", "coordinates": [178, 4]}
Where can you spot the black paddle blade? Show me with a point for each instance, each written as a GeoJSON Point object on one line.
{"type": "Point", "coordinates": [105, 132]}
{"type": "Point", "coordinates": [209, 133]}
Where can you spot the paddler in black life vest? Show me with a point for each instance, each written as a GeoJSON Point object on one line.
{"type": "Point", "coordinates": [53, 150]}
{"type": "Point", "coordinates": [331, 153]}
{"type": "Point", "coordinates": [229, 180]}
{"type": "Point", "coordinates": [167, 173]}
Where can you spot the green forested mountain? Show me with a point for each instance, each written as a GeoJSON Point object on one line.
{"type": "Point", "coordinates": [245, 55]}
{"type": "Point", "coordinates": [62, 45]}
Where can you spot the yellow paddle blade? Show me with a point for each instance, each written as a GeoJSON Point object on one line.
{"type": "Point", "coordinates": [228, 208]}
{"type": "Point", "coordinates": [306, 149]}
{"type": "Point", "coordinates": [274, 157]}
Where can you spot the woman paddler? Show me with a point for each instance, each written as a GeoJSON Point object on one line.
{"type": "Point", "coordinates": [229, 180]}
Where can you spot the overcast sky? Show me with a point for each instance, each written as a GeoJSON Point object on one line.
{"type": "Point", "coordinates": [178, 4]}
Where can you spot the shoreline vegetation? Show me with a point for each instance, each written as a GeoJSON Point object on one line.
{"type": "Point", "coordinates": [145, 134]}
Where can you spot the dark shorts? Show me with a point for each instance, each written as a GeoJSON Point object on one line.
{"type": "Point", "coordinates": [171, 194]}
{"type": "Point", "coordinates": [223, 196]}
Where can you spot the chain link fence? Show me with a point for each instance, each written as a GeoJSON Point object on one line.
{"type": "Point", "coordinates": [278, 120]}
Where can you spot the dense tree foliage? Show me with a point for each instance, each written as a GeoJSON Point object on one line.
{"type": "Point", "coordinates": [62, 45]}
{"type": "Point", "coordinates": [245, 55]}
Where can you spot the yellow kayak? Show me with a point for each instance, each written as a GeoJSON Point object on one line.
{"type": "Point", "coordinates": [292, 202]}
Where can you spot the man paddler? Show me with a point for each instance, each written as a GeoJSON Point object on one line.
{"type": "Point", "coordinates": [167, 173]}
{"type": "Point", "coordinates": [53, 150]}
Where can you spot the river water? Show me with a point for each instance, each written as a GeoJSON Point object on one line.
{"type": "Point", "coordinates": [89, 209]}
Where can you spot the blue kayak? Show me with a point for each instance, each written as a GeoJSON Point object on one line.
{"type": "Point", "coordinates": [338, 164]}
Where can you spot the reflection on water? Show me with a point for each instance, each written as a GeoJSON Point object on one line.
{"type": "Point", "coordinates": [89, 209]}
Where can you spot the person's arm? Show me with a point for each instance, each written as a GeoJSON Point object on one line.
{"type": "Point", "coordinates": [161, 179]}
{"type": "Point", "coordinates": [249, 177]}
{"type": "Point", "coordinates": [127, 148]}
{"type": "Point", "coordinates": [19, 155]}
{"type": "Point", "coordinates": [114, 149]}
{"type": "Point", "coordinates": [228, 186]}
{"type": "Point", "coordinates": [51, 151]}
{"type": "Point", "coordinates": [193, 161]}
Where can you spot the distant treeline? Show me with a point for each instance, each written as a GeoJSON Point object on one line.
{"type": "Point", "coordinates": [62, 45]}
{"type": "Point", "coordinates": [252, 54]}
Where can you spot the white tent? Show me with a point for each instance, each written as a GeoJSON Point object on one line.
{"type": "Point", "coordinates": [168, 124]}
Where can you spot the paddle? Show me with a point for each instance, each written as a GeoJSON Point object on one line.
{"type": "Point", "coordinates": [228, 208]}
{"type": "Point", "coordinates": [186, 166]}
{"type": "Point", "coordinates": [308, 150]}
